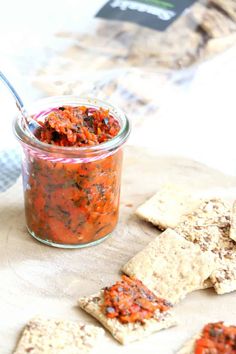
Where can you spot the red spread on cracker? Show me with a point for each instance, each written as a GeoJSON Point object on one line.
{"type": "Point", "coordinates": [216, 338]}
{"type": "Point", "coordinates": [129, 300]}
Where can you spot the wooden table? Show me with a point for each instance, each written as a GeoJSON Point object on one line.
{"type": "Point", "coordinates": [37, 279]}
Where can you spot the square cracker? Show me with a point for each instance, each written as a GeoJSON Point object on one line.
{"type": "Point", "coordinates": [209, 227]}
{"type": "Point", "coordinates": [167, 206]}
{"type": "Point", "coordinates": [49, 336]}
{"type": "Point", "coordinates": [125, 333]}
{"type": "Point", "coordinates": [171, 266]}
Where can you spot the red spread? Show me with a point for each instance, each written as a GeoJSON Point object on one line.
{"type": "Point", "coordinates": [129, 300]}
{"type": "Point", "coordinates": [216, 338]}
{"type": "Point", "coordinates": [78, 126]}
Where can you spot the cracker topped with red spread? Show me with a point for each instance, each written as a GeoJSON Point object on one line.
{"type": "Point", "coordinates": [129, 310]}
{"type": "Point", "coordinates": [129, 300]}
{"type": "Point", "coordinates": [215, 338]}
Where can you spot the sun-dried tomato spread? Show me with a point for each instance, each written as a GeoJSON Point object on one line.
{"type": "Point", "coordinates": [216, 338]}
{"type": "Point", "coordinates": [129, 300]}
{"type": "Point", "coordinates": [67, 201]}
{"type": "Point", "coordinates": [78, 126]}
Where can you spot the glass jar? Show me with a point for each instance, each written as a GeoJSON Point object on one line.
{"type": "Point", "coordinates": [71, 194]}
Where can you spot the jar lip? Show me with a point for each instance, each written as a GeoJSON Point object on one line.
{"type": "Point", "coordinates": [57, 101]}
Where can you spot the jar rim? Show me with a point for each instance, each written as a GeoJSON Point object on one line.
{"type": "Point", "coordinates": [72, 100]}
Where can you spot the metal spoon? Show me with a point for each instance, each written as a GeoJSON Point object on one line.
{"type": "Point", "coordinates": [30, 124]}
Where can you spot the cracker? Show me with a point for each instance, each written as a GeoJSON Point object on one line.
{"type": "Point", "coordinates": [49, 336]}
{"type": "Point", "coordinates": [171, 266]}
{"type": "Point", "coordinates": [125, 333]}
{"type": "Point", "coordinates": [189, 347]}
{"type": "Point", "coordinates": [228, 6]}
{"type": "Point", "coordinates": [232, 231]}
{"type": "Point", "coordinates": [216, 24]}
{"type": "Point", "coordinates": [217, 45]}
{"type": "Point", "coordinates": [224, 279]}
{"type": "Point", "coordinates": [167, 206]}
{"type": "Point", "coordinates": [145, 49]}
{"type": "Point", "coordinates": [209, 227]}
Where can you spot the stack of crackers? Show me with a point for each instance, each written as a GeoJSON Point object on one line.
{"type": "Point", "coordinates": [208, 224]}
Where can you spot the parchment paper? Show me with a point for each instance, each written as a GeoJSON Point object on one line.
{"type": "Point", "coordinates": [37, 279]}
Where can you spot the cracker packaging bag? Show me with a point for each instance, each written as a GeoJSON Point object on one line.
{"type": "Point", "coordinates": [133, 52]}
{"type": "Point", "coordinates": [154, 34]}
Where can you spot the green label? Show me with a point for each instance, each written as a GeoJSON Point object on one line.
{"type": "Point", "coordinates": [156, 14]}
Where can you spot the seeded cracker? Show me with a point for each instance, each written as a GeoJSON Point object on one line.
{"type": "Point", "coordinates": [167, 206]}
{"type": "Point", "coordinates": [48, 336]}
{"type": "Point", "coordinates": [209, 227]}
{"type": "Point", "coordinates": [125, 333]}
{"type": "Point", "coordinates": [171, 266]}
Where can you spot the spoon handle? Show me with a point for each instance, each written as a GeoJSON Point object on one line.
{"type": "Point", "coordinates": [30, 124]}
{"type": "Point", "coordinates": [18, 100]}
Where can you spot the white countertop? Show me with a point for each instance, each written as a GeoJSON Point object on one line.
{"type": "Point", "coordinates": [196, 120]}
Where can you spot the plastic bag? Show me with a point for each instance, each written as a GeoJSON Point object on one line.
{"type": "Point", "coordinates": [131, 65]}
{"type": "Point", "coordinates": [202, 29]}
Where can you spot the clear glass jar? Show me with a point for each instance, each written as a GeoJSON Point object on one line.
{"type": "Point", "coordinates": [71, 193]}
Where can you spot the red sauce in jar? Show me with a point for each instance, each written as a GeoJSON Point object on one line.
{"type": "Point", "coordinates": [216, 338]}
{"type": "Point", "coordinates": [129, 300]}
{"type": "Point", "coordinates": [78, 126]}
{"type": "Point", "coordinates": [67, 202]}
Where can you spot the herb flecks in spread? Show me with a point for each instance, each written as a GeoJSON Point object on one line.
{"type": "Point", "coordinates": [78, 126]}
{"type": "Point", "coordinates": [73, 202]}
{"type": "Point", "coordinates": [216, 338]}
{"type": "Point", "coordinates": [129, 300]}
